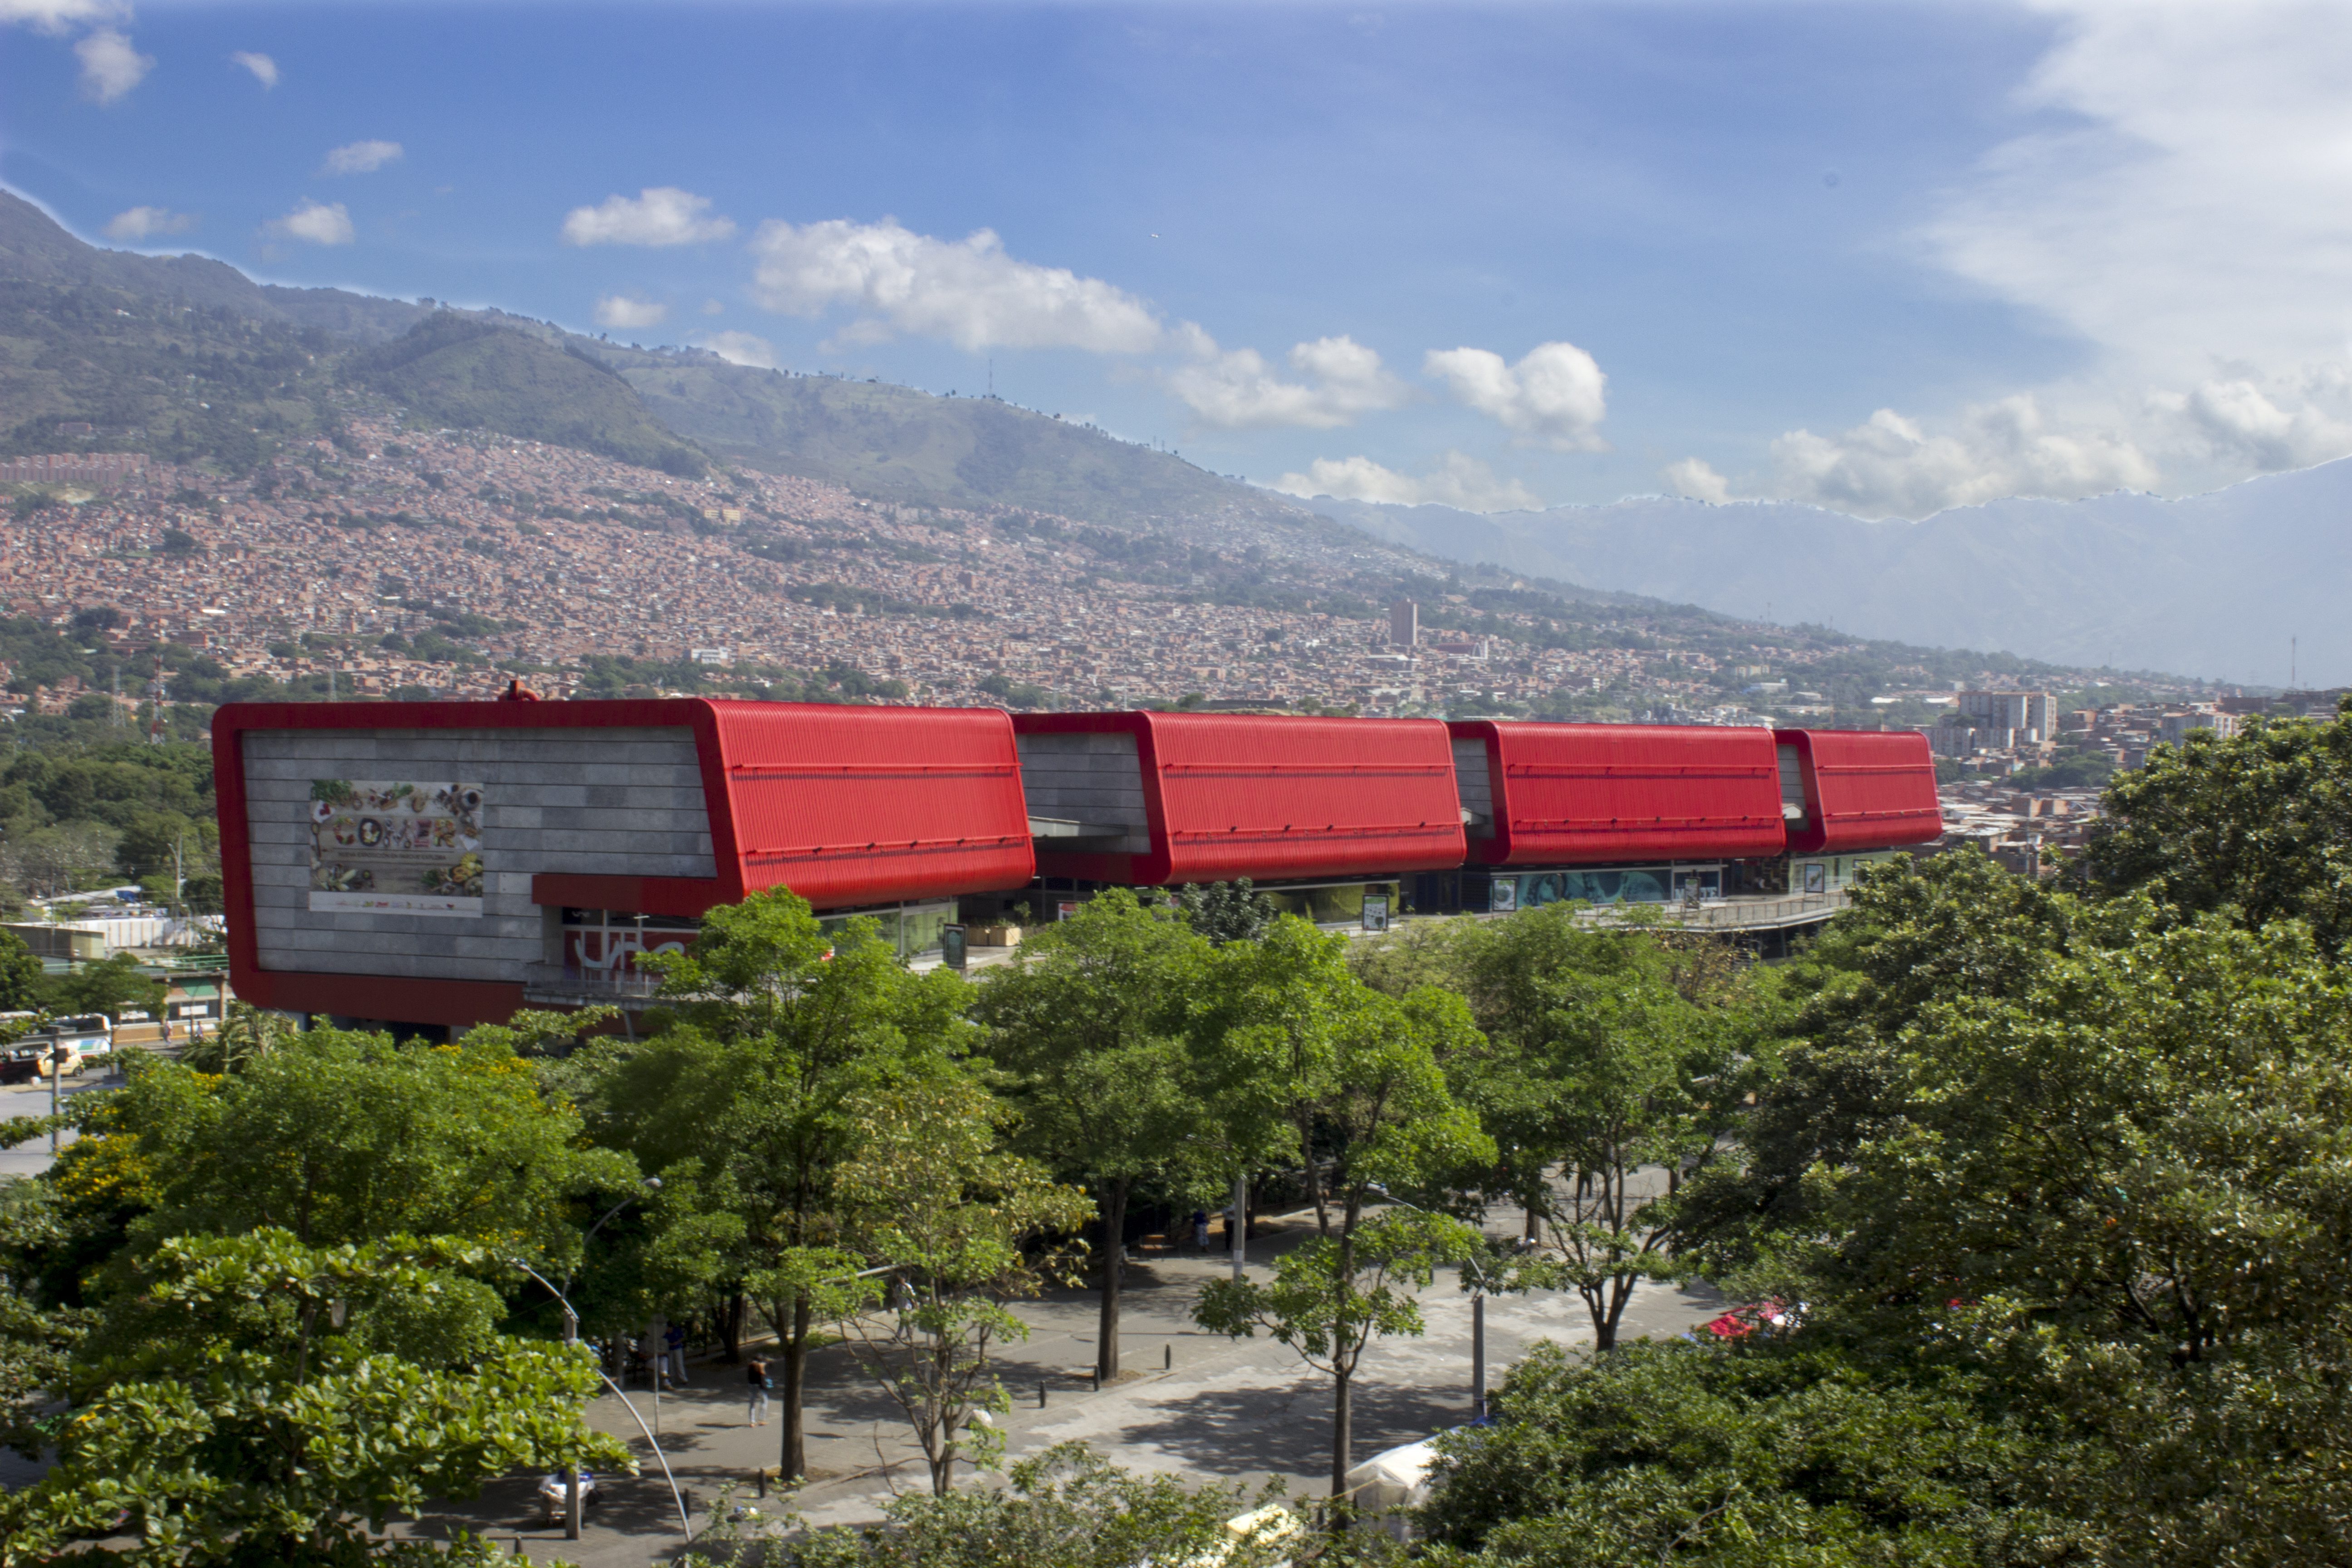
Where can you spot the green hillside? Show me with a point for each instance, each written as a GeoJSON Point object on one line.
{"type": "Point", "coordinates": [895, 442]}
{"type": "Point", "coordinates": [466, 372]}
{"type": "Point", "coordinates": [34, 249]}
{"type": "Point", "coordinates": [178, 382]}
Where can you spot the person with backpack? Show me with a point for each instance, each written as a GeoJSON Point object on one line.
{"type": "Point", "coordinates": [758, 1377]}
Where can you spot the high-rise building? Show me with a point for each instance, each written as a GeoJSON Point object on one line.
{"type": "Point", "coordinates": [2030, 711]}
{"type": "Point", "coordinates": [1405, 624]}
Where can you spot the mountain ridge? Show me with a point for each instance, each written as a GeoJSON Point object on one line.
{"type": "Point", "coordinates": [2215, 582]}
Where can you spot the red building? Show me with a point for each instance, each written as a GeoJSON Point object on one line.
{"type": "Point", "coordinates": [1323, 812]}
{"type": "Point", "coordinates": [440, 863]}
{"type": "Point", "coordinates": [444, 864]}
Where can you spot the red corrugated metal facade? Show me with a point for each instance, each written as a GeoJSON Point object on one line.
{"type": "Point", "coordinates": [1276, 799]}
{"type": "Point", "coordinates": [1863, 789]}
{"type": "Point", "coordinates": [854, 806]}
{"type": "Point", "coordinates": [870, 806]}
{"type": "Point", "coordinates": [1580, 795]}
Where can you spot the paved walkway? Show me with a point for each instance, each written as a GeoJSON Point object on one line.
{"type": "Point", "coordinates": [1225, 1411]}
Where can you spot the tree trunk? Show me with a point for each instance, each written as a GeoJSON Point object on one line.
{"type": "Point", "coordinates": [1343, 1442]}
{"type": "Point", "coordinates": [732, 1320]}
{"type": "Point", "coordinates": [1114, 1220]}
{"type": "Point", "coordinates": [795, 1456]}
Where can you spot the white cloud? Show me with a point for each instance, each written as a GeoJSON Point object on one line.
{"type": "Point", "coordinates": [2184, 209]}
{"type": "Point", "coordinates": [1891, 467]}
{"type": "Point", "coordinates": [658, 215]}
{"type": "Point", "coordinates": [264, 69]}
{"type": "Point", "coordinates": [1556, 396]}
{"type": "Point", "coordinates": [142, 223]}
{"type": "Point", "coordinates": [110, 68]}
{"type": "Point", "coordinates": [1697, 480]}
{"type": "Point", "coordinates": [319, 223]}
{"type": "Point", "coordinates": [967, 291]}
{"type": "Point", "coordinates": [1460, 481]}
{"type": "Point", "coordinates": [1237, 389]}
{"type": "Point", "coordinates": [741, 348]}
{"type": "Point", "coordinates": [54, 16]}
{"type": "Point", "coordinates": [620, 310]}
{"type": "Point", "coordinates": [2239, 422]}
{"type": "Point", "coordinates": [363, 157]}
{"type": "Point", "coordinates": [2195, 200]}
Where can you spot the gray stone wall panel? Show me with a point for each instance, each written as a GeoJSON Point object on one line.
{"type": "Point", "coordinates": [589, 802]}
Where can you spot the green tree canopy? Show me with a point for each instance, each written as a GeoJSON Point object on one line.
{"type": "Point", "coordinates": [1087, 1027]}
{"type": "Point", "coordinates": [779, 1033]}
{"type": "Point", "coordinates": [343, 1138]}
{"type": "Point", "coordinates": [2258, 823]}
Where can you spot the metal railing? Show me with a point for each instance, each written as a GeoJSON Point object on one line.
{"type": "Point", "coordinates": [565, 983]}
{"type": "Point", "coordinates": [1735, 913]}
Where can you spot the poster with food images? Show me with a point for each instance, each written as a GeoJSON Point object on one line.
{"type": "Point", "coordinates": [389, 847]}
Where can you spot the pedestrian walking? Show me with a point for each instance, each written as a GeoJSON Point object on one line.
{"type": "Point", "coordinates": [1200, 1229]}
{"type": "Point", "coordinates": [676, 1340]}
{"type": "Point", "coordinates": [759, 1386]}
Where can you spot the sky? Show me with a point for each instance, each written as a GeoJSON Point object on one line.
{"type": "Point", "coordinates": [1888, 258]}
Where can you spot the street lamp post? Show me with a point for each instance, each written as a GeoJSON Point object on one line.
{"type": "Point", "coordinates": [1475, 1274]}
{"type": "Point", "coordinates": [571, 1471]}
{"type": "Point", "coordinates": [571, 1337]}
{"type": "Point", "coordinates": [58, 1055]}
{"type": "Point", "coordinates": [1237, 1233]}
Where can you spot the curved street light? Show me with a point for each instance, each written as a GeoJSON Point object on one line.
{"type": "Point", "coordinates": [571, 1472]}
{"type": "Point", "coordinates": [1475, 1276]}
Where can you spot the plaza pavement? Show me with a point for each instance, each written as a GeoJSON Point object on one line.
{"type": "Point", "coordinates": [1225, 1410]}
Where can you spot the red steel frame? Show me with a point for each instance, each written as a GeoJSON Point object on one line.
{"type": "Point", "coordinates": [1570, 794]}
{"type": "Point", "coordinates": [1865, 789]}
{"type": "Point", "coordinates": [1228, 795]}
{"type": "Point", "coordinates": [798, 795]}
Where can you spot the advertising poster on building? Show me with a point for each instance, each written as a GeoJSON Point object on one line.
{"type": "Point", "coordinates": [384, 846]}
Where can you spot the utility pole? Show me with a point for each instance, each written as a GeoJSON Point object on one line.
{"type": "Point", "coordinates": [157, 691]}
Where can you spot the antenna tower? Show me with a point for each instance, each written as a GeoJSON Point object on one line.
{"type": "Point", "coordinates": [157, 691]}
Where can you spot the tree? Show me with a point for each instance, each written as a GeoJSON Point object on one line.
{"type": "Point", "coordinates": [1683, 1454]}
{"type": "Point", "coordinates": [246, 1034]}
{"type": "Point", "coordinates": [2091, 1152]}
{"type": "Point", "coordinates": [1356, 1077]}
{"type": "Point", "coordinates": [281, 1402]}
{"type": "Point", "coordinates": [55, 860]}
{"type": "Point", "coordinates": [1087, 1026]}
{"type": "Point", "coordinates": [1600, 1072]}
{"type": "Point", "coordinates": [779, 1032]}
{"type": "Point", "coordinates": [346, 1138]}
{"type": "Point", "coordinates": [20, 975]}
{"type": "Point", "coordinates": [1917, 935]}
{"type": "Point", "coordinates": [931, 1200]}
{"type": "Point", "coordinates": [112, 986]}
{"type": "Point", "coordinates": [36, 1336]}
{"type": "Point", "coordinates": [2255, 823]}
{"type": "Point", "coordinates": [163, 843]}
{"type": "Point", "coordinates": [1065, 1508]}
{"type": "Point", "coordinates": [1226, 911]}
{"type": "Point", "coordinates": [1332, 1295]}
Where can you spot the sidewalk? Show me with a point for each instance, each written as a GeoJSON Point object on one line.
{"type": "Point", "coordinates": [1228, 1411]}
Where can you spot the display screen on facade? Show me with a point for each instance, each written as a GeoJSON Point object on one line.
{"type": "Point", "coordinates": [384, 846]}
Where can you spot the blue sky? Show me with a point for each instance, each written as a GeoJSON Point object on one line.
{"type": "Point", "coordinates": [1887, 257]}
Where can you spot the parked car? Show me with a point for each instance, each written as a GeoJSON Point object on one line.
{"type": "Point", "coordinates": [85, 1035]}
{"type": "Point", "coordinates": [20, 1058]}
